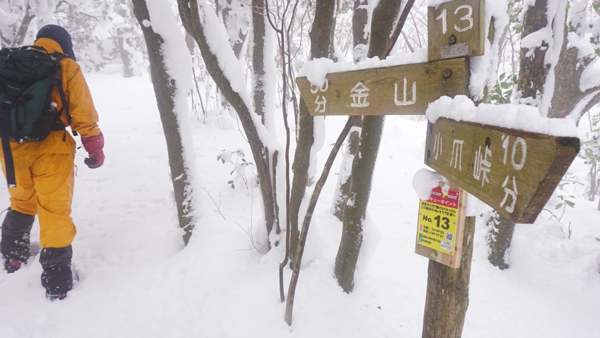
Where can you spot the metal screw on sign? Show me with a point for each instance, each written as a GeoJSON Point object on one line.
{"type": "Point", "coordinates": [447, 73]}
{"type": "Point", "coordinates": [452, 39]}
{"type": "Point", "coordinates": [434, 254]}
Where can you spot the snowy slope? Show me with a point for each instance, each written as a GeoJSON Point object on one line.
{"type": "Point", "coordinates": [138, 282]}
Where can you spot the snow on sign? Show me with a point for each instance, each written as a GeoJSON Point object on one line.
{"type": "Point", "coordinates": [437, 220]}
{"type": "Point", "coordinates": [399, 90]}
{"type": "Point", "coordinates": [456, 29]}
{"type": "Point", "coordinates": [513, 171]}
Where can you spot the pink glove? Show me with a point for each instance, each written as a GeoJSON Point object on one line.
{"type": "Point", "coordinates": [93, 145]}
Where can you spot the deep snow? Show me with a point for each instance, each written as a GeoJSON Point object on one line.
{"type": "Point", "coordinates": [137, 280]}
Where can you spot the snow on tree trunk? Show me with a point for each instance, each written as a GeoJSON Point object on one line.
{"type": "Point", "coordinates": [385, 16]}
{"type": "Point", "coordinates": [224, 68]}
{"type": "Point", "coordinates": [572, 94]}
{"type": "Point", "coordinates": [258, 56]}
{"type": "Point", "coordinates": [300, 170]}
{"type": "Point", "coordinates": [321, 47]}
{"type": "Point", "coordinates": [171, 97]}
{"type": "Point", "coordinates": [500, 232]}
{"type": "Point", "coordinates": [531, 82]}
{"type": "Point", "coordinates": [360, 40]}
{"type": "Point", "coordinates": [533, 67]}
{"type": "Point", "coordinates": [126, 56]}
{"type": "Point", "coordinates": [345, 176]}
{"type": "Point", "coordinates": [230, 12]}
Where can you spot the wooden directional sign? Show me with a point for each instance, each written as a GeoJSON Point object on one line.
{"type": "Point", "coordinates": [456, 29]}
{"type": "Point", "coordinates": [515, 172]}
{"type": "Point", "coordinates": [399, 90]}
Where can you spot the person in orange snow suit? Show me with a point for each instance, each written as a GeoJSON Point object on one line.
{"type": "Point", "coordinates": [44, 173]}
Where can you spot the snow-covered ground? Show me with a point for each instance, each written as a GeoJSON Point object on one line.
{"type": "Point", "coordinates": [137, 279]}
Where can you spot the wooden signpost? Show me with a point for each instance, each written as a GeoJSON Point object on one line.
{"type": "Point", "coordinates": [513, 171]}
{"type": "Point", "coordinates": [399, 90]}
{"type": "Point", "coordinates": [456, 29]}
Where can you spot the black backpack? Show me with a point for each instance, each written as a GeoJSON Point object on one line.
{"type": "Point", "coordinates": [28, 76]}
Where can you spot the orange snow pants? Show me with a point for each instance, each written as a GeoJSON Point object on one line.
{"type": "Point", "coordinates": [45, 188]}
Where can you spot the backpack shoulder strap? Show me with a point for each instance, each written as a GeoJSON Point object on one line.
{"type": "Point", "coordinates": [5, 107]}
{"type": "Point", "coordinates": [59, 84]}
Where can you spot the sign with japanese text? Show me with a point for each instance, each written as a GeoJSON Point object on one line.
{"type": "Point", "coordinates": [515, 172]}
{"type": "Point", "coordinates": [456, 29]}
{"type": "Point", "coordinates": [398, 90]}
{"type": "Point", "coordinates": [437, 220]}
{"type": "Point", "coordinates": [441, 224]}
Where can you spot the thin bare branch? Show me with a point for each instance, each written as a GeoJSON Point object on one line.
{"type": "Point", "coordinates": [308, 217]}
{"type": "Point", "coordinates": [401, 21]}
{"type": "Point", "coordinates": [215, 203]}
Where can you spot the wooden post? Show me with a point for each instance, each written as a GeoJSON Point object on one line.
{"type": "Point", "coordinates": [399, 90]}
{"type": "Point", "coordinates": [456, 29]}
{"type": "Point", "coordinates": [513, 171]}
{"type": "Point", "coordinates": [448, 292]}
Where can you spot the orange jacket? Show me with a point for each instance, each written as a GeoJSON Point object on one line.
{"type": "Point", "coordinates": [84, 117]}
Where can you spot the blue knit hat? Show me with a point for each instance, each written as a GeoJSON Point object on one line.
{"type": "Point", "coordinates": [60, 35]}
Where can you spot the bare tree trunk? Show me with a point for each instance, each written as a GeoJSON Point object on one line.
{"type": "Point", "coordinates": [448, 292]}
{"type": "Point", "coordinates": [230, 21]}
{"type": "Point", "coordinates": [595, 187]}
{"type": "Point", "coordinates": [500, 232]}
{"type": "Point", "coordinates": [382, 31]}
{"type": "Point", "coordinates": [259, 83]}
{"type": "Point", "coordinates": [593, 181]}
{"type": "Point", "coordinates": [345, 176]}
{"type": "Point", "coordinates": [533, 69]}
{"type": "Point", "coordinates": [258, 57]}
{"type": "Point", "coordinates": [300, 170]}
{"type": "Point", "coordinates": [236, 41]}
{"type": "Point", "coordinates": [360, 40]}
{"type": "Point", "coordinates": [320, 37]}
{"type": "Point", "coordinates": [359, 23]}
{"type": "Point", "coordinates": [307, 219]}
{"type": "Point", "coordinates": [21, 33]}
{"type": "Point", "coordinates": [122, 42]}
{"type": "Point", "coordinates": [164, 89]}
{"type": "Point", "coordinates": [126, 56]}
{"type": "Point", "coordinates": [190, 16]}
{"type": "Point", "coordinates": [568, 71]}
{"type": "Point", "coordinates": [532, 77]}
{"type": "Point", "coordinates": [355, 210]}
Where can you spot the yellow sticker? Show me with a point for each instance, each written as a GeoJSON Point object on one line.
{"type": "Point", "coordinates": [437, 221]}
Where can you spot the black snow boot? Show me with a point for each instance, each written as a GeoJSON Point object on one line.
{"type": "Point", "coordinates": [14, 245]}
{"type": "Point", "coordinates": [57, 277]}
{"type": "Point", "coordinates": [11, 265]}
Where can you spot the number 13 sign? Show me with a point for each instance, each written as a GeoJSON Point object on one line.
{"type": "Point", "coordinates": [456, 29]}
{"type": "Point", "coordinates": [437, 220]}
{"type": "Point", "coordinates": [440, 227]}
